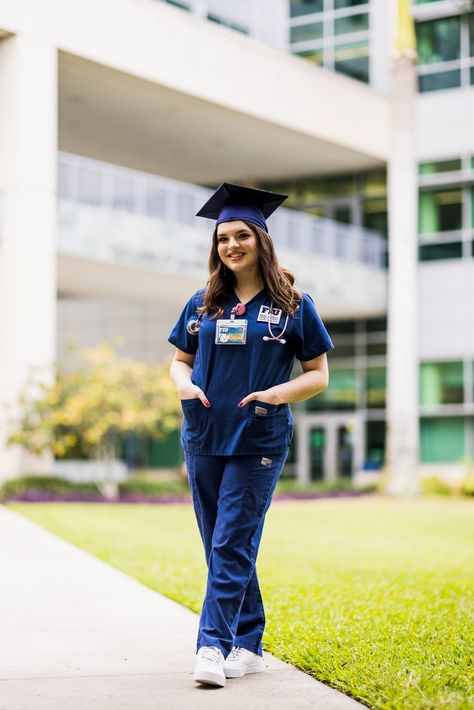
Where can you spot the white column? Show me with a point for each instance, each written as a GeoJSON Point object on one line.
{"type": "Point", "coordinates": [402, 356]}
{"type": "Point", "coordinates": [28, 149]}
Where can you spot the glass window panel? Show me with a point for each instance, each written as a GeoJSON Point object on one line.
{"type": "Point", "coordinates": [352, 23]}
{"type": "Point", "coordinates": [374, 445]}
{"type": "Point", "coordinates": [303, 33]}
{"type": "Point", "coordinates": [440, 166]}
{"type": "Point", "coordinates": [440, 211]}
{"type": "Point", "coordinates": [375, 215]}
{"type": "Point", "coordinates": [342, 351]}
{"type": "Point", "coordinates": [472, 76]}
{"type": "Point", "coordinates": [312, 55]}
{"type": "Point", "coordinates": [305, 7]}
{"type": "Point", "coordinates": [375, 184]}
{"type": "Point", "coordinates": [339, 395]}
{"type": "Point", "coordinates": [349, 3]}
{"type": "Point", "coordinates": [353, 59]}
{"type": "Point", "coordinates": [431, 252]}
{"type": "Point", "coordinates": [442, 439]}
{"type": "Point", "coordinates": [341, 327]}
{"type": "Point", "coordinates": [471, 34]}
{"type": "Point", "coordinates": [441, 383]}
{"type": "Point", "coordinates": [377, 325]}
{"type": "Point", "coordinates": [376, 348]}
{"type": "Point", "coordinates": [438, 40]}
{"type": "Point", "coordinates": [440, 81]}
{"type": "Point", "coordinates": [376, 387]}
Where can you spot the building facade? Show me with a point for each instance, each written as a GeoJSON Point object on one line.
{"type": "Point", "coordinates": [119, 119]}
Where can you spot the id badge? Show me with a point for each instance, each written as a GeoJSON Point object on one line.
{"type": "Point", "coordinates": [231, 332]}
{"type": "Point", "coordinates": [264, 315]}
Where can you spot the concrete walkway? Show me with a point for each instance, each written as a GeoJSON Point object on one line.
{"type": "Point", "coordinates": [77, 634]}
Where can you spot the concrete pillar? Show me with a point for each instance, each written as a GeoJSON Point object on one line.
{"type": "Point", "coordinates": [402, 336]}
{"type": "Point", "coordinates": [330, 451]}
{"type": "Point", "coordinates": [28, 149]}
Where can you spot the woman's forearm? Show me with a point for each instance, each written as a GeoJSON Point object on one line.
{"type": "Point", "coordinates": [180, 373]}
{"type": "Point", "coordinates": [302, 387]}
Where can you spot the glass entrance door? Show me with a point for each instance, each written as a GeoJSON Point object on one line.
{"type": "Point", "coordinates": [345, 451]}
{"type": "Point", "coordinates": [317, 437]}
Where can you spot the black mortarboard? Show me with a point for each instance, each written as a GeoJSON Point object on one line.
{"type": "Point", "coordinates": [232, 202]}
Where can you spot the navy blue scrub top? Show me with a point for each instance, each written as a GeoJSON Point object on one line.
{"type": "Point", "coordinates": [228, 373]}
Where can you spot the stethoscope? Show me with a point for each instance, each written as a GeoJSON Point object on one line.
{"type": "Point", "coordinates": [194, 324]}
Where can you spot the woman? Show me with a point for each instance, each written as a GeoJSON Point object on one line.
{"type": "Point", "coordinates": [236, 344]}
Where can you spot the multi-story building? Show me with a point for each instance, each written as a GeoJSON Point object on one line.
{"type": "Point", "coordinates": [119, 116]}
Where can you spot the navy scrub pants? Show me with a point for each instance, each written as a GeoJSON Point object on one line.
{"type": "Point", "coordinates": [231, 495]}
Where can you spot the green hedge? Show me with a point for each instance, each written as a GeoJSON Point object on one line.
{"type": "Point", "coordinates": [42, 487]}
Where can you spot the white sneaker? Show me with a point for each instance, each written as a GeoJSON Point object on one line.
{"type": "Point", "coordinates": [240, 661]}
{"type": "Point", "coordinates": [210, 666]}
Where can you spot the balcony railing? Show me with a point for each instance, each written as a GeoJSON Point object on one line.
{"type": "Point", "coordinates": [96, 184]}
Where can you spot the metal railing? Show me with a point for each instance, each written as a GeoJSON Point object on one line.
{"type": "Point", "coordinates": [96, 184]}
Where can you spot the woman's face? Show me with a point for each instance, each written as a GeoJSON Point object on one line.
{"type": "Point", "coordinates": [237, 247]}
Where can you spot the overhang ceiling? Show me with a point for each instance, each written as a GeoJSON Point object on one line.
{"type": "Point", "coordinates": [118, 118]}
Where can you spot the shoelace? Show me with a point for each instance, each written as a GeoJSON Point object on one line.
{"type": "Point", "coordinates": [213, 654]}
{"type": "Point", "coordinates": [236, 652]}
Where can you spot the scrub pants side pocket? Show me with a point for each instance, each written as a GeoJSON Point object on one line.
{"type": "Point", "coordinates": [261, 483]}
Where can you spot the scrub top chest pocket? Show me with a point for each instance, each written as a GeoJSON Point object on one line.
{"type": "Point", "coordinates": [268, 429]}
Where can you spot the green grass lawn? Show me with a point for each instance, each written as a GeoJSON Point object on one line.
{"type": "Point", "coordinates": [373, 596]}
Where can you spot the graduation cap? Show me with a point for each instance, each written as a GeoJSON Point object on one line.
{"type": "Point", "coordinates": [232, 202]}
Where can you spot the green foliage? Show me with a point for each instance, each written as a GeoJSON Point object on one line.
{"type": "Point", "coordinates": [153, 489]}
{"type": "Point", "coordinates": [86, 410]}
{"type": "Point", "coordinates": [435, 486]}
{"type": "Point", "coordinates": [467, 485]}
{"type": "Point", "coordinates": [16, 487]}
{"type": "Point", "coordinates": [292, 486]}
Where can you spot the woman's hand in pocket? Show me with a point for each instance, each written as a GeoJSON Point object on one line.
{"type": "Point", "coordinates": [191, 391]}
{"type": "Point", "coordinates": [266, 396]}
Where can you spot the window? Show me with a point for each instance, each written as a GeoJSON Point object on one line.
{"type": "Point", "coordinates": [440, 166]}
{"type": "Point", "coordinates": [446, 214]}
{"type": "Point", "coordinates": [348, 3]}
{"type": "Point", "coordinates": [442, 439]}
{"type": "Point", "coordinates": [353, 59]}
{"type": "Point", "coordinates": [376, 387]}
{"type": "Point", "coordinates": [374, 445]}
{"type": "Point", "coordinates": [303, 33]}
{"type": "Point", "coordinates": [441, 383]}
{"type": "Point", "coordinates": [340, 394]}
{"type": "Point", "coordinates": [305, 7]}
{"type": "Point", "coordinates": [440, 211]}
{"type": "Point", "coordinates": [439, 40]}
{"type": "Point", "coordinates": [335, 34]}
{"type": "Point", "coordinates": [445, 50]}
{"type": "Point", "coordinates": [350, 24]}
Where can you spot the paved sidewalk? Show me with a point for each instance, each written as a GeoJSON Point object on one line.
{"type": "Point", "coordinates": [77, 634]}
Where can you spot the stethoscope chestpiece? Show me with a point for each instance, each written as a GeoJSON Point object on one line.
{"type": "Point", "coordinates": [280, 340]}
{"type": "Point", "coordinates": [193, 326]}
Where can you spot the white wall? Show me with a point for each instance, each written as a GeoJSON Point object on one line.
{"type": "Point", "coordinates": [446, 313]}
{"type": "Point", "coordinates": [445, 123]}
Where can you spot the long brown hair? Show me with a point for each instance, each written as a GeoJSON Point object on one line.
{"type": "Point", "coordinates": [277, 279]}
